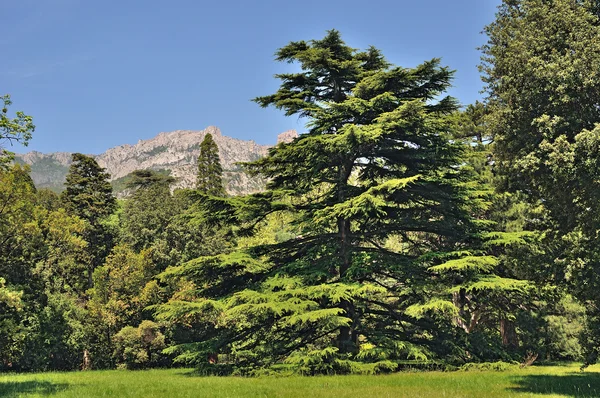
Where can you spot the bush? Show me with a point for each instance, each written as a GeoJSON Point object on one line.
{"type": "Point", "coordinates": [141, 347]}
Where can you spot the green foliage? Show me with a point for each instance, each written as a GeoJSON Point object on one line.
{"type": "Point", "coordinates": [139, 347]}
{"type": "Point", "coordinates": [146, 179]}
{"type": "Point", "coordinates": [123, 288]}
{"type": "Point", "coordinates": [275, 228]}
{"type": "Point", "coordinates": [149, 210]}
{"type": "Point", "coordinates": [326, 361]}
{"type": "Point", "coordinates": [278, 304]}
{"type": "Point", "coordinates": [188, 233]}
{"type": "Point", "coordinates": [41, 259]}
{"type": "Point", "coordinates": [469, 263]}
{"type": "Point", "coordinates": [124, 184]}
{"type": "Point", "coordinates": [88, 195]}
{"type": "Point", "coordinates": [377, 163]}
{"type": "Point", "coordinates": [488, 366]}
{"type": "Point", "coordinates": [19, 231]}
{"type": "Point", "coordinates": [209, 179]}
{"type": "Point", "coordinates": [536, 66]}
{"type": "Point", "coordinates": [544, 116]}
{"type": "Point", "coordinates": [564, 324]}
{"type": "Point", "coordinates": [17, 129]}
{"type": "Point", "coordinates": [55, 339]}
{"type": "Point", "coordinates": [8, 297]}
{"type": "Point", "coordinates": [61, 265]}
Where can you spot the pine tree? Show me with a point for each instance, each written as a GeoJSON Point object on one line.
{"type": "Point", "coordinates": [378, 200]}
{"type": "Point", "coordinates": [375, 164]}
{"type": "Point", "coordinates": [210, 172]}
{"type": "Point", "coordinates": [149, 179]}
{"type": "Point", "coordinates": [88, 195]}
{"type": "Point", "coordinates": [149, 210]}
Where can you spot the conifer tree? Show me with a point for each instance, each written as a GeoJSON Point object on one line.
{"type": "Point", "coordinates": [149, 210]}
{"type": "Point", "coordinates": [88, 195]}
{"type": "Point", "coordinates": [210, 172]}
{"type": "Point", "coordinates": [149, 179]}
{"type": "Point", "coordinates": [378, 200]}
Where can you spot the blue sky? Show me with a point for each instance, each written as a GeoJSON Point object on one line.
{"type": "Point", "coordinates": [96, 74]}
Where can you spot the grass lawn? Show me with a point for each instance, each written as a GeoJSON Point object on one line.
{"type": "Point", "coordinates": [537, 381]}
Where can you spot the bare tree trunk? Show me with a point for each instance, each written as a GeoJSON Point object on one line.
{"type": "Point", "coordinates": [87, 362]}
{"type": "Point", "coordinates": [508, 333]}
{"type": "Point", "coordinates": [347, 334]}
{"type": "Point", "coordinates": [459, 299]}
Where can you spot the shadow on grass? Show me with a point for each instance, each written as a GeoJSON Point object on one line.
{"type": "Point", "coordinates": [564, 364]}
{"type": "Point", "coordinates": [200, 373]}
{"type": "Point", "coordinates": [19, 388]}
{"type": "Point", "coordinates": [569, 385]}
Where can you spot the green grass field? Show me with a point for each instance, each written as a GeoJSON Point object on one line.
{"type": "Point", "coordinates": [537, 381]}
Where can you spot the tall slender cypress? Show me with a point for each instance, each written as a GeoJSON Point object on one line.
{"type": "Point", "coordinates": [210, 172]}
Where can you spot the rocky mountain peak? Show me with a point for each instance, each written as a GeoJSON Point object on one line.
{"type": "Point", "coordinates": [176, 152]}
{"type": "Point", "coordinates": [213, 130]}
{"type": "Point", "coordinates": [287, 136]}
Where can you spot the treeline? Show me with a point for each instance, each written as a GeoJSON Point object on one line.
{"type": "Point", "coordinates": [399, 230]}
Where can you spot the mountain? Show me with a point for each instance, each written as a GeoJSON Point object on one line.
{"type": "Point", "coordinates": [174, 153]}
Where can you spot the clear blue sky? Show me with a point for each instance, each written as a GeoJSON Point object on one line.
{"type": "Point", "coordinates": [96, 74]}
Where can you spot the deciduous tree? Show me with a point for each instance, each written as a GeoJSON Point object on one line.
{"type": "Point", "coordinates": [17, 129]}
{"type": "Point", "coordinates": [540, 66]}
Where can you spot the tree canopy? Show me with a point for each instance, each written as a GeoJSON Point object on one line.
{"type": "Point", "coordinates": [381, 214]}
{"type": "Point", "coordinates": [544, 112]}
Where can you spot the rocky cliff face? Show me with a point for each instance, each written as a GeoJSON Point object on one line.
{"type": "Point", "coordinates": [176, 152]}
{"type": "Point", "coordinates": [287, 136]}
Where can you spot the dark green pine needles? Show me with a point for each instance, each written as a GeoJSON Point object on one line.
{"type": "Point", "coordinates": [210, 172]}
{"type": "Point", "coordinates": [377, 198]}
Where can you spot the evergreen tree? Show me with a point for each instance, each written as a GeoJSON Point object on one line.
{"type": "Point", "coordinates": [376, 167]}
{"type": "Point", "coordinates": [88, 192]}
{"type": "Point", "coordinates": [149, 210]}
{"type": "Point", "coordinates": [148, 179]}
{"type": "Point", "coordinates": [88, 195]}
{"type": "Point", "coordinates": [210, 173]}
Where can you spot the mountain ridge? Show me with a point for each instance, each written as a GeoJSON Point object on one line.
{"type": "Point", "coordinates": [175, 151]}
